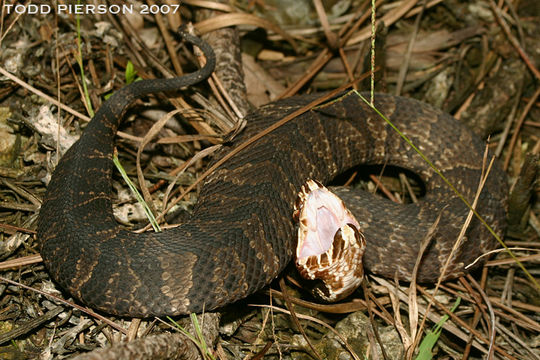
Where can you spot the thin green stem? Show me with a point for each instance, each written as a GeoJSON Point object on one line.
{"type": "Point", "coordinates": [79, 59]}
{"type": "Point", "coordinates": [441, 175]}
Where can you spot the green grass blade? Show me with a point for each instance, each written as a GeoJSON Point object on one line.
{"type": "Point", "coordinates": [138, 196]}
{"type": "Point", "coordinates": [438, 172]}
{"type": "Point", "coordinates": [426, 346]}
{"type": "Point", "coordinates": [79, 59]}
{"type": "Point", "coordinates": [199, 340]}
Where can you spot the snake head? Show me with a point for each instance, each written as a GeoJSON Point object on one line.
{"type": "Point", "coordinates": [330, 244]}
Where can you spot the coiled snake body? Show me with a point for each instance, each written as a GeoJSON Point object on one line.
{"type": "Point", "coordinates": [241, 235]}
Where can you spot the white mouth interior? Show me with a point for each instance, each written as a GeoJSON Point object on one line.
{"type": "Point", "coordinates": [323, 214]}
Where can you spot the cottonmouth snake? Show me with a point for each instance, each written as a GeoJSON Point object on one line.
{"type": "Point", "coordinates": [240, 235]}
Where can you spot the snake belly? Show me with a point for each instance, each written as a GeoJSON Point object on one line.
{"type": "Point", "coordinates": [240, 235]}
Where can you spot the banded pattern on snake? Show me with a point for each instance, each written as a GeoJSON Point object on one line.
{"type": "Point", "coordinates": [241, 235]}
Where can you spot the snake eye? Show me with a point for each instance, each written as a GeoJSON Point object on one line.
{"type": "Point", "coordinates": [330, 244]}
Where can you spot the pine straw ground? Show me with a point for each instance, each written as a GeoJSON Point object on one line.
{"type": "Point", "coordinates": [476, 59]}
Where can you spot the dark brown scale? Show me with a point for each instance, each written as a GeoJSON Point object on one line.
{"type": "Point", "coordinates": [241, 233]}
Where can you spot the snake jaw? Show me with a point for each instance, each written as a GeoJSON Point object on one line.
{"type": "Point", "coordinates": [330, 245]}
